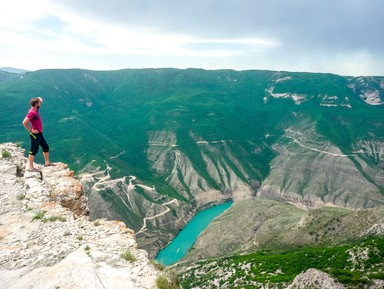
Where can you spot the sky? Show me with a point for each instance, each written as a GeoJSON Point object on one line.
{"type": "Point", "coordinates": [344, 37]}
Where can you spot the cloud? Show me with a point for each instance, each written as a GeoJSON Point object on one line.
{"type": "Point", "coordinates": [329, 36]}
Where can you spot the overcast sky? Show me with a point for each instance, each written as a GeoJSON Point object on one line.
{"type": "Point", "coordinates": [338, 36]}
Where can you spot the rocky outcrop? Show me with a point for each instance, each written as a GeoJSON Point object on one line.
{"type": "Point", "coordinates": [65, 189]}
{"type": "Point", "coordinates": [48, 241]}
{"type": "Point", "coordinates": [315, 279]}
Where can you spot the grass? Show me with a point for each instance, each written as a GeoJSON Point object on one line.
{"type": "Point", "coordinates": [55, 219]}
{"type": "Point", "coordinates": [41, 216]}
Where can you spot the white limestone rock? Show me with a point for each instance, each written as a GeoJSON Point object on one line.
{"type": "Point", "coordinates": [46, 245]}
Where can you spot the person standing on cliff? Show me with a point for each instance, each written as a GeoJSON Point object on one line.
{"type": "Point", "coordinates": [36, 134]}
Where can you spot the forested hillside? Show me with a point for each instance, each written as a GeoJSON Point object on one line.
{"type": "Point", "coordinates": [153, 146]}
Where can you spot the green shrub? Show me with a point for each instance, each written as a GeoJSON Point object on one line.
{"type": "Point", "coordinates": [88, 250]}
{"type": "Point", "coordinates": [5, 154]}
{"type": "Point", "coordinates": [20, 196]}
{"type": "Point", "coordinates": [128, 256]}
{"type": "Point", "coordinates": [167, 282]}
{"type": "Point", "coordinates": [162, 282]}
{"type": "Point", "coordinates": [379, 276]}
{"type": "Point", "coordinates": [157, 265]}
{"type": "Point", "coordinates": [39, 215]}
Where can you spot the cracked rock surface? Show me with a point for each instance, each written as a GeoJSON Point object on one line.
{"type": "Point", "coordinates": [47, 239]}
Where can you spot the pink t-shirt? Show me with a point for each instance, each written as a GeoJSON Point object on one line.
{"type": "Point", "coordinates": [35, 119]}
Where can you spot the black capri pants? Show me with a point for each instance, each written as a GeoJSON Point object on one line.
{"type": "Point", "coordinates": [37, 139]}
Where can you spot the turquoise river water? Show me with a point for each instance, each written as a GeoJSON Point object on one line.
{"type": "Point", "coordinates": [187, 237]}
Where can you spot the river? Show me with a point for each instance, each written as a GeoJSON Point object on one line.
{"type": "Point", "coordinates": [187, 237]}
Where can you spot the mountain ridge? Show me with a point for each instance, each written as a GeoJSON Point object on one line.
{"type": "Point", "coordinates": [205, 137]}
{"type": "Point", "coordinates": [13, 70]}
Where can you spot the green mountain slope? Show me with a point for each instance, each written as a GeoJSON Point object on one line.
{"type": "Point", "coordinates": [351, 265]}
{"type": "Point", "coordinates": [152, 146]}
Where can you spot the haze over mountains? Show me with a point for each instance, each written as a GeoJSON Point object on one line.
{"type": "Point", "coordinates": [13, 70]}
{"type": "Point", "coordinates": [153, 146]}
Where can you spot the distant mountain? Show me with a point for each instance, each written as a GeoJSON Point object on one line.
{"type": "Point", "coordinates": [7, 76]}
{"type": "Point", "coordinates": [9, 73]}
{"type": "Point", "coordinates": [13, 70]}
{"type": "Point", "coordinates": [153, 146]}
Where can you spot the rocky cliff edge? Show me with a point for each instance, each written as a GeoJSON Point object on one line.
{"type": "Point", "coordinates": [47, 239]}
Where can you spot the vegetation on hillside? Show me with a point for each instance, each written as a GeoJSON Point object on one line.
{"type": "Point", "coordinates": [354, 265]}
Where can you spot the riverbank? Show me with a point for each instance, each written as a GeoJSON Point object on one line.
{"type": "Point", "coordinates": [179, 246]}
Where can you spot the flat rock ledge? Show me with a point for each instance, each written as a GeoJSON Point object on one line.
{"type": "Point", "coordinates": [47, 239]}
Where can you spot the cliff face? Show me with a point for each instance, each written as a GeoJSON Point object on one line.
{"type": "Point", "coordinates": [47, 239]}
